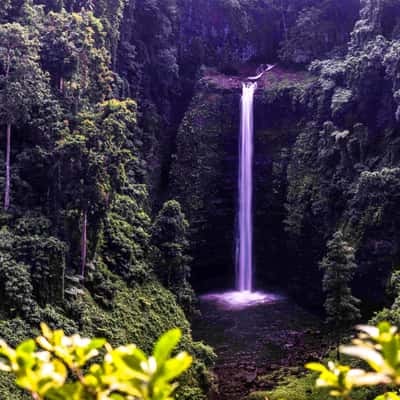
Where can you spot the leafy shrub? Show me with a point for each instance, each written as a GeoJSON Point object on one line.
{"type": "Point", "coordinates": [171, 259]}
{"type": "Point", "coordinates": [379, 347]}
{"type": "Point", "coordinates": [16, 289]}
{"type": "Point", "coordinates": [101, 284]}
{"type": "Point", "coordinates": [126, 238]}
{"type": "Point", "coordinates": [339, 267]}
{"type": "Point", "coordinates": [55, 366]}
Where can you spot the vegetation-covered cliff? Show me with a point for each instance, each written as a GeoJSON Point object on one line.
{"type": "Point", "coordinates": [325, 160]}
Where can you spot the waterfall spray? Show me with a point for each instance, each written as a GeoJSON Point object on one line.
{"type": "Point", "coordinates": [244, 257]}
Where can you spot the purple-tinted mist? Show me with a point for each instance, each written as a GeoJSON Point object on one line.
{"type": "Point", "coordinates": [244, 259]}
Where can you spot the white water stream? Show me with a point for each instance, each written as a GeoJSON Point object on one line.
{"type": "Point", "coordinates": [244, 295]}
{"type": "Point", "coordinates": [244, 260]}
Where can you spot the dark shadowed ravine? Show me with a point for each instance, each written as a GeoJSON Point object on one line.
{"type": "Point", "coordinates": [256, 344]}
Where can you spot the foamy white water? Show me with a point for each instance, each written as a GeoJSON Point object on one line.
{"type": "Point", "coordinates": [238, 300]}
{"type": "Point", "coordinates": [244, 259]}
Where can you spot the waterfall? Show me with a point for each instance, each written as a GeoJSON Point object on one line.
{"type": "Point", "coordinates": [244, 295]}
{"type": "Point", "coordinates": [244, 253]}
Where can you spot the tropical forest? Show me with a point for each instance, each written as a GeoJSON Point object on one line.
{"type": "Point", "coordinates": [200, 199]}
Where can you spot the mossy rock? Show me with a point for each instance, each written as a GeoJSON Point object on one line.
{"type": "Point", "coordinates": [138, 315]}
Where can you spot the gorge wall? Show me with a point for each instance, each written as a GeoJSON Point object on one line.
{"type": "Point", "coordinates": [204, 173]}
{"type": "Point", "coordinates": [164, 45]}
{"type": "Point", "coordinates": [323, 137]}
{"type": "Point", "coordinates": [119, 105]}
{"type": "Point", "coordinates": [326, 158]}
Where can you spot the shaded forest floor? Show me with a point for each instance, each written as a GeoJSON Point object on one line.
{"type": "Point", "coordinates": [259, 345]}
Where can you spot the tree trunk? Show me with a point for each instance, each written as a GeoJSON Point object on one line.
{"type": "Point", "coordinates": [61, 85]}
{"type": "Point", "coordinates": [84, 244]}
{"type": "Point", "coordinates": [8, 173]}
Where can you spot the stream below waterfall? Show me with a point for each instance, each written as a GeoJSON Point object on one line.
{"type": "Point", "coordinates": [256, 344]}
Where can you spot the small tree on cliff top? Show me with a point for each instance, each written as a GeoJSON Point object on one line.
{"type": "Point", "coordinates": [341, 307]}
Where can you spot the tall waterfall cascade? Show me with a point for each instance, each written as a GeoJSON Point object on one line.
{"type": "Point", "coordinates": [244, 295]}
{"type": "Point", "coordinates": [244, 253]}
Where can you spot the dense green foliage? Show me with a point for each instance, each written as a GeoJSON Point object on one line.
{"type": "Point", "coordinates": [53, 367]}
{"type": "Point", "coordinates": [379, 347]}
{"type": "Point", "coordinates": [121, 315]}
{"type": "Point", "coordinates": [171, 259]}
{"type": "Point", "coordinates": [344, 161]}
{"type": "Point", "coordinates": [339, 268]}
{"type": "Point", "coordinates": [76, 235]}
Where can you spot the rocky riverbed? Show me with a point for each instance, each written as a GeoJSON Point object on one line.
{"type": "Point", "coordinates": [257, 344]}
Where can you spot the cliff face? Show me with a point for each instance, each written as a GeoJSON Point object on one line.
{"type": "Point", "coordinates": [203, 178]}
{"type": "Point", "coordinates": [205, 170]}
{"type": "Point", "coordinates": [326, 158]}
{"type": "Point", "coordinates": [164, 45]}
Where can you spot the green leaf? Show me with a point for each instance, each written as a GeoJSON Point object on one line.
{"type": "Point", "coordinates": [366, 353]}
{"type": "Point", "coordinates": [384, 327]}
{"type": "Point", "coordinates": [28, 347]}
{"type": "Point", "coordinates": [176, 366]}
{"type": "Point", "coordinates": [388, 396]}
{"type": "Point", "coordinates": [165, 345]}
{"type": "Point", "coordinates": [316, 367]}
{"type": "Point", "coordinates": [96, 343]}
